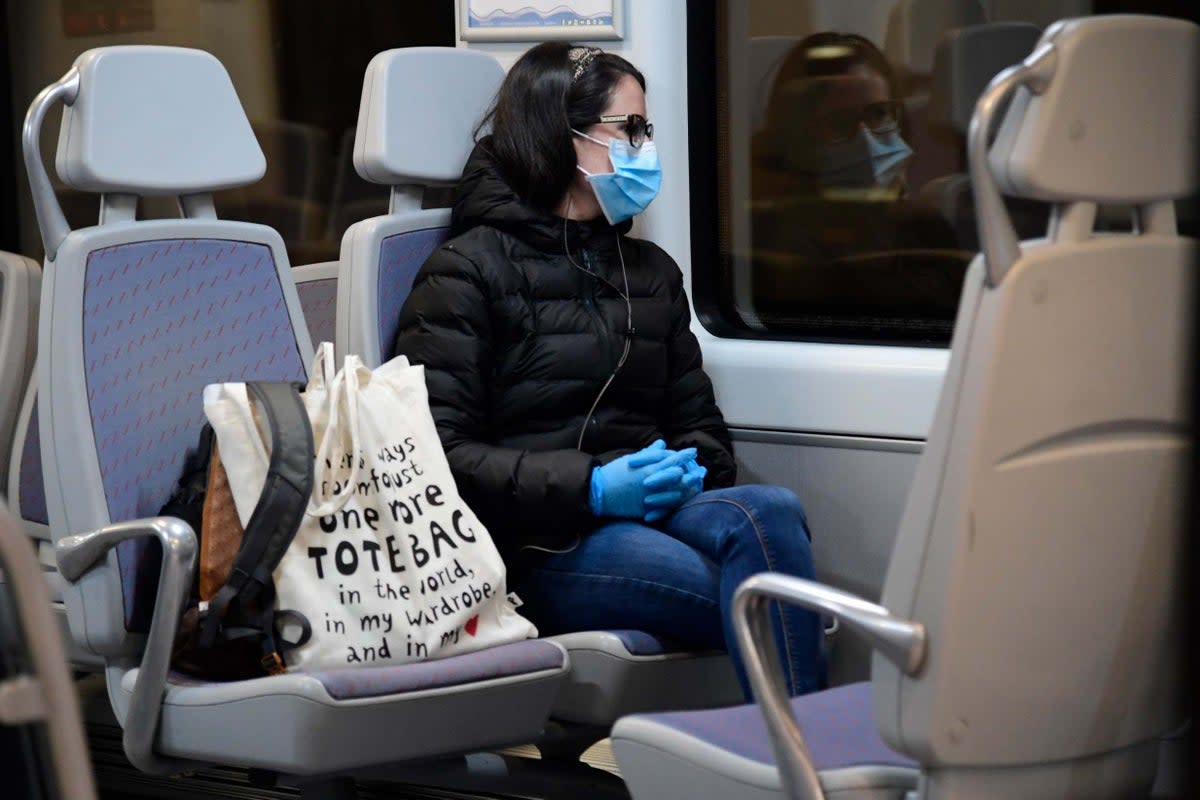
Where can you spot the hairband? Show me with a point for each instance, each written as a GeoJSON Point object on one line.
{"type": "Point", "coordinates": [581, 57]}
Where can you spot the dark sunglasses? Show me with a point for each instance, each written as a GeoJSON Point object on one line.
{"type": "Point", "coordinates": [839, 126]}
{"type": "Point", "coordinates": [637, 127]}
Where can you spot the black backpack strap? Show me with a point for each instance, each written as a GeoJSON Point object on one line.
{"type": "Point", "coordinates": [280, 507]}
{"type": "Point", "coordinates": [187, 501]}
{"type": "Point", "coordinates": [289, 483]}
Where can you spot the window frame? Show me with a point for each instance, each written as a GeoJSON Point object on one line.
{"type": "Point", "coordinates": [713, 303]}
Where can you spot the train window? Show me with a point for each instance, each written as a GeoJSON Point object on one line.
{"type": "Point", "coordinates": [298, 67]}
{"type": "Point", "coordinates": [826, 134]}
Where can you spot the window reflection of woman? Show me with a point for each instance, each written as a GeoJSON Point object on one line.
{"type": "Point", "coordinates": [834, 122]}
{"type": "Point", "coordinates": [831, 231]}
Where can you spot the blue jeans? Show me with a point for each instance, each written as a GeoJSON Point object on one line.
{"type": "Point", "coordinates": [678, 581]}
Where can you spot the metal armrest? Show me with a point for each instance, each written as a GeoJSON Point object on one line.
{"type": "Point", "coordinates": [77, 555]}
{"type": "Point", "coordinates": [900, 641]}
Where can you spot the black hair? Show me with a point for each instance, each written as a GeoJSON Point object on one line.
{"type": "Point", "coordinates": [535, 109]}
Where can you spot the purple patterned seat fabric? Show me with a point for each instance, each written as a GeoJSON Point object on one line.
{"type": "Point", "coordinates": [837, 725]}
{"type": "Point", "coordinates": [519, 658]}
{"type": "Point", "coordinates": [400, 258]}
{"type": "Point", "coordinates": [319, 301]}
{"type": "Point", "coordinates": [161, 320]}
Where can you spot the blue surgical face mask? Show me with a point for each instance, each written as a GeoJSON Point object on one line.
{"type": "Point", "coordinates": [632, 185]}
{"type": "Point", "coordinates": [869, 159]}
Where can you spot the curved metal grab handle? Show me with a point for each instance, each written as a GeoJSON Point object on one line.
{"type": "Point", "coordinates": [998, 239]}
{"type": "Point", "coordinates": [900, 641]}
{"type": "Point", "coordinates": [51, 221]}
{"type": "Point", "coordinates": [79, 553]}
{"type": "Point", "coordinates": [64, 722]}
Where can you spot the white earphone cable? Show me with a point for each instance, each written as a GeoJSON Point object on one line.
{"type": "Point", "coordinates": [629, 329]}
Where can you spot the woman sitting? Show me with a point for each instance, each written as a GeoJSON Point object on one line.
{"type": "Point", "coordinates": [567, 385]}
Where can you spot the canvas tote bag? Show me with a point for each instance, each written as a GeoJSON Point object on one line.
{"type": "Point", "coordinates": [389, 565]}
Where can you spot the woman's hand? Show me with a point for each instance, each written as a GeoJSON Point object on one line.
{"type": "Point", "coordinates": [690, 482]}
{"type": "Point", "coordinates": [640, 483]}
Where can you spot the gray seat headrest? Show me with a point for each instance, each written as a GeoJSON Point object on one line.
{"type": "Point", "coordinates": [420, 107]}
{"type": "Point", "coordinates": [1116, 121]}
{"type": "Point", "coordinates": [152, 120]}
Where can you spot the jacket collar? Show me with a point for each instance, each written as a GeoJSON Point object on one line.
{"type": "Point", "coordinates": [483, 197]}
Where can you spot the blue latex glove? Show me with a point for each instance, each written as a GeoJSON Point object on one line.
{"type": "Point", "coordinates": [664, 490]}
{"type": "Point", "coordinates": [693, 479]}
{"type": "Point", "coordinates": [691, 483]}
{"type": "Point", "coordinates": [631, 485]}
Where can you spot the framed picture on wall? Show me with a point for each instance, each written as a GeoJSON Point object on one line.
{"type": "Point", "coordinates": [539, 20]}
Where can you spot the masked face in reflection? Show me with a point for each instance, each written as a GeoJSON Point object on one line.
{"type": "Point", "coordinates": [864, 161]}
{"type": "Point", "coordinates": [850, 137]}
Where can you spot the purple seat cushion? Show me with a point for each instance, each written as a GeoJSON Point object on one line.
{"type": "Point", "coordinates": [162, 320]}
{"type": "Point", "coordinates": [837, 725]}
{"type": "Point", "coordinates": [519, 658]}
{"type": "Point", "coordinates": [319, 301]}
{"type": "Point", "coordinates": [400, 258]}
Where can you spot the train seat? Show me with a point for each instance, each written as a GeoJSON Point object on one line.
{"type": "Point", "coordinates": [612, 672]}
{"type": "Point", "coordinates": [145, 314]}
{"type": "Point", "coordinates": [22, 473]}
{"type": "Point", "coordinates": [20, 290]}
{"type": "Point", "coordinates": [914, 28]}
{"type": "Point", "coordinates": [26, 493]}
{"type": "Point", "coordinates": [316, 284]}
{"type": "Point", "coordinates": [408, 138]}
{"type": "Point", "coordinates": [764, 56]}
{"type": "Point", "coordinates": [965, 62]}
{"type": "Point", "coordinates": [20, 285]}
{"type": "Point", "coordinates": [1026, 644]}
{"type": "Point", "coordinates": [296, 183]}
{"type": "Point", "coordinates": [354, 199]}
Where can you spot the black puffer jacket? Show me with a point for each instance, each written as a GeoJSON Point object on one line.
{"type": "Point", "coordinates": [517, 343]}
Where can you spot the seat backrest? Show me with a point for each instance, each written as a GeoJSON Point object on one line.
{"type": "Point", "coordinates": [137, 317]}
{"type": "Point", "coordinates": [317, 286]}
{"type": "Point", "coordinates": [1041, 543]}
{"type": "Point", "coordinates": [914, 29]}
{"type": "Point", "coordinates": [291, 196]}
{"type": "Point", "coordinates": [408, 138]}
{"type": "Point", "coordinates": [353, 198]}
{"type": "Point", "coordinates": [915, 26]}
{"type": "Point", "coordinates": [764, 55]}
{"type": "Point", "coordinates": [1040, 12]}
{"type": "Point", "coordinates": [297, 154]}
{"type": "Point", "coordinates": [964, 63]}
{"type": "Point", "coordinates": [20, 284]}
{"type": "Point", "coordinates": [26, 488]}
{"type": "Point", "coordinates": [868, 18]}
{"type": "Point", "coordinates": [21, 292]}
